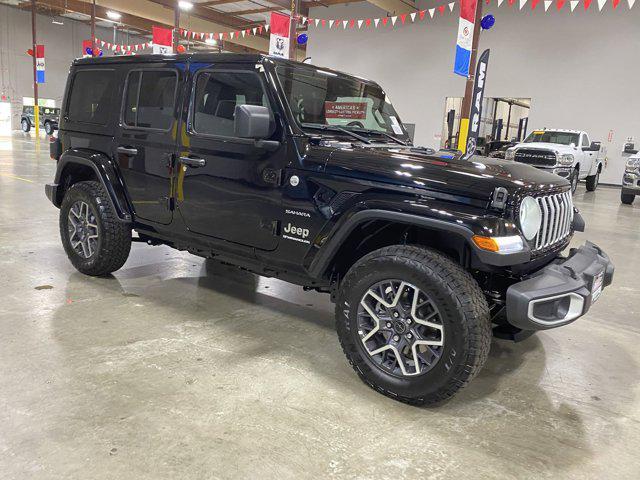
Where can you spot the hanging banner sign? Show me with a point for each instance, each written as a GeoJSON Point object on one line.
{"type": "Point", "coordinates": [476, 104]}
{"type": "Point", "coordinates": [162, 40]}
{"type": "Point", "coordinates": [465, 36]}
{"type": "Point", "coordinates": [40, 63]}
{"type": "Point", "coordinates": [279, 39]}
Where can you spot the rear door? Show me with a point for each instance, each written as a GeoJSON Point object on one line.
{"type": "Point", "coordinates": [229, 187]}
{"type": "Point", "coordinates": [146, 139]}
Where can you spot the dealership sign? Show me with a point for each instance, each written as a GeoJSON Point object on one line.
{"type": "Point", "coordinates": [279, 39]}
{"type": "Point", "coordinates": [40, 63]}
{"type": "Point", "coordinates": [476, 105]}
{"type": "Point", "coordinates": [465, 36]}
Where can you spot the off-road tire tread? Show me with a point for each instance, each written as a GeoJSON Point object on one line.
{"type": "Point", "coordinates": [466, 295]}
{"type": "Point", "coordinates": [115, 235]}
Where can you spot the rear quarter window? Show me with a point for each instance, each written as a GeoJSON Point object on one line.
{"type": "Point", "coordinates": [92, 96]}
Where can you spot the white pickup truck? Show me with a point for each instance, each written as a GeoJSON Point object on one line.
{"type": "Point", "coordinates": [568, 153]}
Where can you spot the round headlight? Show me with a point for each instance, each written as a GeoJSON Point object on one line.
{"type": "Point", "coordinates": [530, 217]}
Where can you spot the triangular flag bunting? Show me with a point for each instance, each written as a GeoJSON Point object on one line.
{"type": "Point", "coordinates": [394, 19]}
{"type": "Point", "coordinates": [560, 4]}
{"type": "Point", "coordinates": [631, 3]}
{"type": "Point", "coordinates": [451, 5]}
{"type": "Point", "coordinates": [601, 4]}
{"type": "Point", "coordinates": [403, 17]}
{"type": "Point", "coordinates": [500, 2]}
{"type": "Point", "coordinates": [266, 27]}
{"type": "Point", "coordinates": [304, 20]}
{"type": "Point", "coordinates": [220, 35]}
{"type": "Point", "coordinates": [615, 3]}
{"type": "Point", "coordinates": [367, 22]}
{"type": "Point", "coordinates": [344, 24]}
{"type": "Point", "coordinates": [244, 32]}
{"type": "Point", "coordinates": [522, 3]}
{"type": "Point", "coordinates": [254, 30]}
{"type": "Point", "coordinates": [360, 23]}
{"type": "Point", "coordinates": [433, 10]}
{"type": "Point", "coordinates": [331, 23]}
{"type": "Point", "coordinates": [317, 21]}
{"type": "Point", "coordinates": [441, 8]}
{"type": "Point", "coordinates": [413, 16]}
{"type": "Point", "coordinates": [573, 4]}
{"type": "Point", "coordinates": [547, 4]}
{"type": "Point", "coordinates": [422, 13]}
{"type": "Point", "coordinates": [385, 20]}
{"type": "Point", "coordinates": [587, 4]}
{"type": "Point", "coordinates": [534, 4]}
{"type": "Point", "coordinates": [376, 21]}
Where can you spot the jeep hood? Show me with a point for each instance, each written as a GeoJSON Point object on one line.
{"type": "Point", "coordinates": [406, 166]}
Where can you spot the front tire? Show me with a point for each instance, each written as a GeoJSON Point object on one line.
{"type": "Point", "coordinates": [574, 179]}
{"type": "Point", "coordinates": [592, 181]}
{"type": "Point", "coordinates": [48, 128]}
{"type": "Point", "coordinates": [627, 198]}
{"type": "Point", "coordinates": [433, 332]}
{"type": "Point", "coordinates": [95, 240]}
{"type": "Point", "coordinates": [25, 125]}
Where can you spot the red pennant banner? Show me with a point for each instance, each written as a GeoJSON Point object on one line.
{"type": "Point", "coordinates": [615, 4]}
{"type": "Point", "coordinates": [403, 17]}
{"type": "Point", "coordinates": [587, 4]}
{"type": "Point", "coordinates": [441, 8]}
{"type": "Point", "coordinates": [368, 22]}
{"type": "Point", "coordinates": [422, 13]}
{"type": "Point", "coordinates": [534, 4]}
{"type": "Point", "coordinates": [560, 4]}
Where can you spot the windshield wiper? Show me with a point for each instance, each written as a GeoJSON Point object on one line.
{"type": "Point", "coordinates": [336, 128]}
{"type": "Point", "coordinates": [384, 134]}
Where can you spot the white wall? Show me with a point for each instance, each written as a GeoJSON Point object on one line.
{"type": "Point", "coordinates": [581, 70]}
{"type": "Point", "coordinates": [62, 43]}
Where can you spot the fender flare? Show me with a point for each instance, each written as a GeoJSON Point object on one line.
{"type": "Point", "coordinates": [106, 173]}
{"type": "Point", "coordinates": [326, 254]}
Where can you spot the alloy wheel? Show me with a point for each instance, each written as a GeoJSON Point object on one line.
{"type": "Point", "coordinates": [83, 229]}
{"type": "Point", "coordinates": [400, 328]}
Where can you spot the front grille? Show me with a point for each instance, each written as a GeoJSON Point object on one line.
{"type": "Point", "coordinates": [557, 215]}
{"type": "Point", "coordinates": [532, 156]}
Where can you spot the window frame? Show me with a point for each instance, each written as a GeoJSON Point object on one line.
{"type": "Point", "coordinates": [192, 98]}
{"type": "Point", "coordinates": [67, 116]}
{"type": "Point", "coordinates": [126, 126]}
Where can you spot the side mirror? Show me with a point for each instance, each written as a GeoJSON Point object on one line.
{"type": "Point", "coordinates": [252, 121]}
{"type": "Point", "coordinates": [595, 146]}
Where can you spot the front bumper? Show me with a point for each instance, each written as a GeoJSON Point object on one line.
{"type": "Point", "coordinates": [631, 183]}
{"type": "Point", "coordinates": [561, 292]}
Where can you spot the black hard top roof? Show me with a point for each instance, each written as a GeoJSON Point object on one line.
{"type": "Point", "coordinates": [200, 57]}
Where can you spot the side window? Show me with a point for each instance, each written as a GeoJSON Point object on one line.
{"type": "Point", "coordinates": [585, 140]}
{"type": "Point", "coordinates": [216, 97]}
{"type": "Point", "coordinates": [150, 99]}
{"type": "Point", "coordinates": [91, 96]}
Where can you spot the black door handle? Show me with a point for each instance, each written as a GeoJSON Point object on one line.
{"type": "Point", "coordinates": [127, 151]}
{"type": "Point", "coordinates": [193, 162]}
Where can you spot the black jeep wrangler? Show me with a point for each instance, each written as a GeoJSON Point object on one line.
{"type": "Point", "coordinates": [308, 175]}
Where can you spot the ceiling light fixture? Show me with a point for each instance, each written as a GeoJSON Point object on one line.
{"type": "Point", "coordinates": [57, 22]}
{"type": "Point", "coordinates": [184, 5]}
{"type": "Point", "coordinates": [113, 15]}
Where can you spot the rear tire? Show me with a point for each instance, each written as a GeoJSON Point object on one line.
{"type": "Point", "coordinates": [48, 128]}
{"type": "Point", "coordinates": [592, 182]}
{"type": "Point", "coordinates": [456, 316]}
{"type": "Point", "coordinates": [95, 240]}
{"type": "Point", "coordinates": [627, 198]}
{"type": "Point", "coordinates": [25, 125]}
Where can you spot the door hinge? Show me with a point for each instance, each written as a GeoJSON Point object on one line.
{"type": "Point", "coordinates": [272, 176]}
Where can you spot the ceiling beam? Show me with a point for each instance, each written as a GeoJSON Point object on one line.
{"type": "Point", "coordinates": [395, 6]}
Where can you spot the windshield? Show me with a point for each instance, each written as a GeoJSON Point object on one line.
{"type": "Point", "coordinates": [319, 98]}
{"type": "Point", "coordinates": [546, 136]}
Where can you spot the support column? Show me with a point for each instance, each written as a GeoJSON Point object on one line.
{"type": "Point", "coordinates": [293, 41]}
{"type": "Point", "coordinates": [176, 27]}
{"type": "Point", "coordinates": [36, 108]}
{"type": "Point", "coordinates": [468, 89]}
{"type": "Point", "coordinates": [93, 29]}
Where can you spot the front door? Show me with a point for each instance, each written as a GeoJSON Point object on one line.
{"type": "Point", "coordinates": [229, 187]}
{"type": "Point", "coordinates": [146, 141]}
{"type": "Point", "coordinates": [588, 156]}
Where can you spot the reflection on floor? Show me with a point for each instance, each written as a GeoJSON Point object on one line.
{"type": "Point", "coordinates": [180, 368]}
